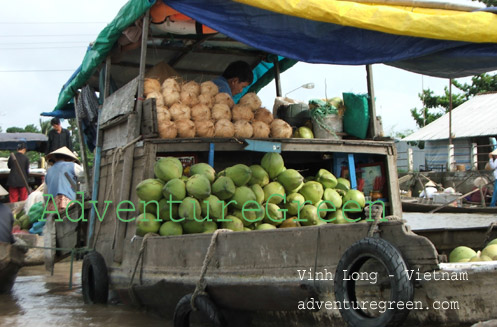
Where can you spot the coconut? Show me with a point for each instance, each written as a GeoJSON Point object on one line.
{"type": "Point", "coordinates": [264, 115]}
{"type": "Point", "coordinates": [204, 128]}
{"type": "Point", "coordinates": [163, 115]}
{"type": "Point", "coordinates": [159, 100]}
{"type": "Point", "coordinates": [170, 85]}
{"type": "Point", "coordinates": [243, 129]}
{"type": "Point", "coordinates": [221, 111]}
{"type": "Point", "coordinates": [151, 85]}
{"type": "Point", "coordinates": [167, 130]}
{"type": "Point", "coordinates": [206, 99]}
{"type": "Point", "coordinates": [261, 129]}
{"type": "Point", "coordinates": [179, 111]}
{"type": "Point", "coordinates": [251, 100]}
{"type": "Point", "coordinates": [241, 112]}
{"type": "Point", "coordinates": [191, 87]}
{"type": "Point", "coordinates": [209, 88]}
{"type": "Point", "coordinates": [280, 129]}
{"type": "Point", "coordinates": [200, 112]}
{"type": "Point", "coordinates": [170, 97]}
{"type": "Point", "coordinates": [224, 98]}
{"type": "Point", "coordinates": [186, 128]}
{"type": "Point", "coordinates": [224, 128]}
{"type": "Point", "coordinates": [188, 98]}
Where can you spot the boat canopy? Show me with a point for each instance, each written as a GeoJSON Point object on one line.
{"type": "Point", "coordinates": [442, 41]}
{"type": "Point", "coordinates": [34, 141]}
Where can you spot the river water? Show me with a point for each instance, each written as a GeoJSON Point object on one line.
{"type": "Point", "coordinates": [39, 299]}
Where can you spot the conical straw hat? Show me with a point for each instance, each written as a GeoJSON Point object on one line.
{"type": "Point", "coordinates": [62, 151]}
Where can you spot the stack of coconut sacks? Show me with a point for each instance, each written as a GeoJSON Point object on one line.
{"type": "Point", "coordinates": [198, 110]}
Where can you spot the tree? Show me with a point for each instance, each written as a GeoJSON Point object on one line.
{"type": "Point", "coordinates": [434, 106]}
{"type": "Point", "coordinates": [489, 3]}
{"type": "Point", "coordinates": [31, 128]}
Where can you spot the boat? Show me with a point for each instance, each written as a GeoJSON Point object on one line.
{"type": "Point", "coordinates": [11, 260]}
{"type": "Point", "coordinates": [421, 205]}
{"type": "Point", "coordinates": [293, 276]}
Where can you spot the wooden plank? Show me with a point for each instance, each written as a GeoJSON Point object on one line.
{"type": "Point", "coordinates": [115, 137]}
{"type": "Point", "coordinates": [149, 121]}
{"type": "Point", "coordinates": [119, 103]}
{"type": "Point", "coordinates": [393, 184]}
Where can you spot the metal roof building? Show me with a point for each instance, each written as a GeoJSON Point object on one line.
{"type": "Point", "coordinates": [474, 118]}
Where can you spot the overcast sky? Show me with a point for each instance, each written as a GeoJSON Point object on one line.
{"type": "Point", "coordinates": [43, 42]}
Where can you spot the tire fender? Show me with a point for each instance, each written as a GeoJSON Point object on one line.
{"type": "Point", "coordinates": [94, 279]}
{"type": "Point", "coordinates": [203, 304]}
{"type": "Point", "coordinates": [402, 288]}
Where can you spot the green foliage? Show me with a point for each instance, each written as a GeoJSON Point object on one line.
{"type": "Point", "coordinates": [434, 106]}
{"type": "Point", "coordinates": [489, 3]}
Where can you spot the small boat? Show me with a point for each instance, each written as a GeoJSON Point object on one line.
{"type": "Point", "coordinates": [422, 205]}
{"type": "Point", "coordinates": [11, 260]}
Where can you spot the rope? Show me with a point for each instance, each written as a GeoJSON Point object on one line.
{"type": "Point", "coordinates": [374, 225]}
{"type": "Point", "coordinates": [318, 115]}
{"type": "Point", "coordinates": [140, 255]}
{"type": "Point", "coordinates": [200, 286]}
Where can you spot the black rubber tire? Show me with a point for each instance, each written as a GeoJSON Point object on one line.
{"type": "Point", "coordinates": [94, 279]}
{"type": "Point", "coordinates": [402, 288]}
{"type": "Point", "coordinates": [204, 304]}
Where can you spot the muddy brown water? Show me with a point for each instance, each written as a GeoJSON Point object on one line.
{"type": "Point", "coordinates": [41, 300]}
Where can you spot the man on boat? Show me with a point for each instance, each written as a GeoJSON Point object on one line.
{"type": "Point", "coordinates": [18, 176]}
{"type": "Point", "coordinates": [429, 190]}
{"type": "Point", "coordinates": [492, 161]}
{"type": "Point", "coordinates": [235, 78]}
{"type": "Point", "coordinates": [6, 220]}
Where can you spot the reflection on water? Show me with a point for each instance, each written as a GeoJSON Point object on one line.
{"type": "Point", "coordinates": [41, 300]}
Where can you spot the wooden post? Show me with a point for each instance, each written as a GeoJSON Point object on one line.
{"type": "Point", "coordinates": [277, 76]}
{"type": "Point", "coordinates": [372, 107]}
{"type": "Point", "coordinates": [82, 146]}
{"type": "Point", "coordinates": [410, 163]}
{"type": "Point", "coordinates": [133, 130]}
{"type": "Point", "coordinates": [474, 156]}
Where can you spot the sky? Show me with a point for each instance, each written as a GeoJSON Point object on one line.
{"type": "Point", "coordinates": [43, 42]}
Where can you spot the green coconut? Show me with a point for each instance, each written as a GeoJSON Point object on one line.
{"type": "Point", "coordinates": [168, 168]}
{"type": "Point", "coordinates": [174, 189]}
{"type": "Point", "coordinates": [167, 210]}
{"type": "Point", "coordinates": [244, 196]}
{"type": "Point", "coordinates": [146, 223]}
{"type": "Point", "coordinates": [291, 179]}
{"type": "Point", "coordinates": [312, 191]}
{"type": "Point", "coordinates": [213, 208]}
{"type": "Point", "coordinates": [326, 178]}
{"type": "Point", "coordinates": [258, 191]}
{"type": "Point", "coordinates": [233, 223]}
{"type": "Point", "coordinates": [273, 214]}
{"type": "Point", "coordinates": [273, 163]}
{"type": "Point", "coordinates": [190, 209]}
{"type": "Point", "coordinates": [274, 192]}
{"type": "Point", "coordinates": [198, 186]}
{"type": "Point", "coordinates": [223, 187]}
{"type": "Point", "coordinates": [203, 169]}
{"type": "Point", "coordinates": [356, 196]}
{"type": "Point", "coordinates": [170, 228]}
{"type": "Point", "coordinates": [308, 216]}
{"type": "Point", "coordinates": [343, 184]}
{"type": "Point", "coordinates": [209, 227]}
{"type": "Point", "coordinates": [461, 252]}
{"type": "Point", "coordinates": [240, 174]}
{"type": "Point", "coordinates": [259, 176]}
{"type": "Point", "coordinates": [294, 203]}
{"type": "Point", "coordinates": [193, 227]}
{"type": "Point", "coordinates": [150, 189]}
{"type": "Point", "coordinates": [333, 196]}
{"type": "Point", "coordinates": [265, 226]}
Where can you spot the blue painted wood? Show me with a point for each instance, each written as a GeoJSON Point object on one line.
{"type": "Point", "coordinates": [211, 154]}
{"type": "Point", "coordinates": [353, 181]}
{"type": "Point", "coordinates": [263, 146]}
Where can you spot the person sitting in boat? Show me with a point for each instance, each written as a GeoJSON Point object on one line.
{"type": "Point", "coordinates": [235, 78]}
{"type": "Point", "coordinates": [58, 185]}
{"type": "Point", "coordinates": [6, 220]}
{"type": "Point", "coordinates": [429, 190]}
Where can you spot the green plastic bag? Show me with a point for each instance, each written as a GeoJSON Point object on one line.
{"type": "Point", "coordinates": [356, 117]}
{"type": "Point", "coordinates": [35, 212]}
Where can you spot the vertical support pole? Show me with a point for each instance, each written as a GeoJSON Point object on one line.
{"type": "Point", "coordinates": [410, 163]}
{"type": "Point", "coordinates": [450, 111]}
{"type": "Point", "coordinates": [393, 182]}
{"type": "Point", "coordinates": [211, 154]}
{"type": "Point", "coordinates": [353, 180]}
{"type": "Point", "coordinates": [82, 145]}
{"type": "Point", "coordinates": [372, 106]}
{"type": "Point", "coordinates": [450, 158]}
{"type": "Point", "coordinates": [277, 76]}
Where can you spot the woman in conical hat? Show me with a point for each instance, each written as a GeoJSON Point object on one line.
{"type": "Point", "coordinates": [60, 187]}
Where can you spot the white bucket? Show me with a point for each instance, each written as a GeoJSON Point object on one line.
{"type": "Point", "coordinates": [333, 122]}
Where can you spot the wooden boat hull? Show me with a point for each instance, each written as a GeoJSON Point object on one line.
{"type": "Point", "coordinates": [410, 206]}
{"type": "Point", "coordinates": [11, 260]}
